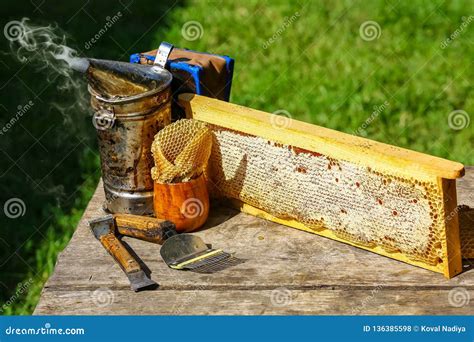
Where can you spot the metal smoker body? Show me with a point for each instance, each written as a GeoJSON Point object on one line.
{"type": "Point", "coordinates": [126, 127]}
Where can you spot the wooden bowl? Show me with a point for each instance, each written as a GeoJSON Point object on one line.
{"type": "Point", "coordinates": [185, 204]}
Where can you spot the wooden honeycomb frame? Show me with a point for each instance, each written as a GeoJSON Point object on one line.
{"type": "Point", "coordinates": [439, 173]}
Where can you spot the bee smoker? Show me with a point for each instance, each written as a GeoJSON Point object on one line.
{"type": "Point", "coordinates": [131, 103]}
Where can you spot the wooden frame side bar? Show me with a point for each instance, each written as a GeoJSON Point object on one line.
{"type": "Point", "coordinates": [452, 247]}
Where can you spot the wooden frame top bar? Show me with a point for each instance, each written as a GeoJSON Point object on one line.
{"type": "Point", "coordinates": [329, 142]}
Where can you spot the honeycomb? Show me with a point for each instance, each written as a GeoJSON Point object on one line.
{"type": "Point", "coordinates": [181, 151]}
{"type": "Point", "coordinates": [357, 203]}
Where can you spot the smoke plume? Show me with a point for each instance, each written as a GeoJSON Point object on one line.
{"type": "Point", "coordinates": [44, 49]}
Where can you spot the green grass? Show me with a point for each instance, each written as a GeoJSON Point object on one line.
{"type": "Point", "coordinates": [320, 70]}
{"type": "Point", "coordinates": [50, 157]}
{"type": "Point", "coordinates": [57, 236]}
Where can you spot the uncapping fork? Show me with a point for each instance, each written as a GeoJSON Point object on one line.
{"type": "Point", "coordinates": [104, 230]}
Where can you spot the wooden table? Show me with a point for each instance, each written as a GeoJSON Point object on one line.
{"type": "Point", "coordinates": [287, 272]}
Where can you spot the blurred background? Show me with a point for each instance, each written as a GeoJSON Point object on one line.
{"type": "Point", "coordinates": [399, 72]}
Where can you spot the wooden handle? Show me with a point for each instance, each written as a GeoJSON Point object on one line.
{"type": "Point", "coordinates": [115, 248]}
{"type": "Point", "coordinates": [144, 228]}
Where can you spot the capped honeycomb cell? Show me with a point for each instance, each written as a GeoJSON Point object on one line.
{"type": "Point", "coordinates": [357, 203]}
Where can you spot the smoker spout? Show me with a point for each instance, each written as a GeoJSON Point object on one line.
{"type": "Point", "coordinates": [79, 64]}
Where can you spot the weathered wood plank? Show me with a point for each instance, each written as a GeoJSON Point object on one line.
{"type": "Point", "coordinates": [324, 276]}
{"type": "Point", "coordinates": [465, 188]}
{"type": "Point", "coordinates": [276, 301]}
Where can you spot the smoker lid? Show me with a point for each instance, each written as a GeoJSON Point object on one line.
{"type": "Point", "coordinates": [118, 82]}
